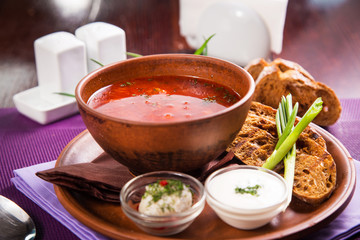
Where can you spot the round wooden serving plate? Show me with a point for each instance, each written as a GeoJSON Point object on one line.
{"type": "Point", "coordinates": [298, 220]}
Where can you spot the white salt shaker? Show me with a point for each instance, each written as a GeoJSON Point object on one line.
{"type": "Point", "coordinates": [60, 63]}
{"type": "Point", "coordinates": [105, 43]}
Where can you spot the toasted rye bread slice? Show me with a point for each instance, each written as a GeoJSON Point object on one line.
{"type": "Point", "coordinates": [315, 169]}
{"type": "Point", "coordinates": [272, 84]}
{"type": "Point", "coordinates": [315, 172]}
{"type": "Point", "coordinates": [281, 77]}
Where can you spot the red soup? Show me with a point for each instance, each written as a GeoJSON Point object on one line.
{"type": "Point", "coordinates": [163, 99]}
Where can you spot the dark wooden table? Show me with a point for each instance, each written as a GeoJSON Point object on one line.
{"type": "Point", "coordinates": [322, 36]}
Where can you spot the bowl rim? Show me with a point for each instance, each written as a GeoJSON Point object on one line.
{"type": "Point", "coordinates": [165, 218]}
{"type": "Point", "coordinates": [245, 211]}
{"type": "Point", "coordinates": [96, 72]}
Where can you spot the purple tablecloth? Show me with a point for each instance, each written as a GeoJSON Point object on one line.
{"type": "Point", "coordinates": [25, 143]}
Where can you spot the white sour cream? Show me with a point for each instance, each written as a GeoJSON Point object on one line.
{"type": "Point", "coordinates": [270, 192]}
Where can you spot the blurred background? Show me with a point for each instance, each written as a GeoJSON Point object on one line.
{"type": "Point", "coordinates": [321, 35]}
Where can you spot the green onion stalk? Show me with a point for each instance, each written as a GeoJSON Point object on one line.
{"type": "Point", "coordinates": [97, 62]}
{"type": "Point", "coordinates": [131, 54]}
{"type": "Point", "coordinates": [203, 49]}
{"type": "Point", "coordinates": [285, 119]}
{"type": "Point", "coordinates": [286, 145]}
{"type": "Point", "coordinates": [285, 148]}
{"type": "Point", "coordinates": [65, 94]}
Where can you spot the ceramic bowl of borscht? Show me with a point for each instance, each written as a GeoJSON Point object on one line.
{"type": "Point", "coordinates": [174, 112]}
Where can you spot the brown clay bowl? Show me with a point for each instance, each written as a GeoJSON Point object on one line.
{"type": "Point", "coordinates": [178, 146]}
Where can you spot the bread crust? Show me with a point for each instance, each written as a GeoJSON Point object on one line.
{"type": "Point", "coordinates": [255, 67]}
{"type": "Point", "coordinates": [281, 77]}
{"type": "Point", "coordinates": [315, 169]}
{"type": "Point", "coordinates": [285, 65]}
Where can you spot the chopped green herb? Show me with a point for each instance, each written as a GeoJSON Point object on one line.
{"type": "Point", "coordinates": [210, 99]}
{"type": "Point", "coordinates": [248, 190]}
{"type": "Point", "coordinates": [126, 84]}
{"type": "Point", "coordinates": [164, 187]}
{"type": "Point", "coordinates": [166, 207]}
{"type": "Point", "coordinates": [229, 97]}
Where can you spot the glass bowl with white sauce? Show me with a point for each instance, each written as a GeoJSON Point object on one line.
{"type": "Point", "coordinates": [163, 203]}
{"type": "Point", "coordinates": [246, 197]}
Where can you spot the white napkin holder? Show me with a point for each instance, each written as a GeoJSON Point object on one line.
{"type": "Point", "coordinates": [244, 29]}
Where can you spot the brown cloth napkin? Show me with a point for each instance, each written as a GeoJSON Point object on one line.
{"type": "Point", "coordinates": [104, 177]}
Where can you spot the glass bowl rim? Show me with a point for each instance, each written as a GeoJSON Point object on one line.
{"type": "Point", "coordinates": [172, 217]}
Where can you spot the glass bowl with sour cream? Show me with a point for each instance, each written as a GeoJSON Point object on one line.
{"type": "Point", "coordinates": [246, 197]}
{"type": "Point", "coordinates": [163, 203]}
